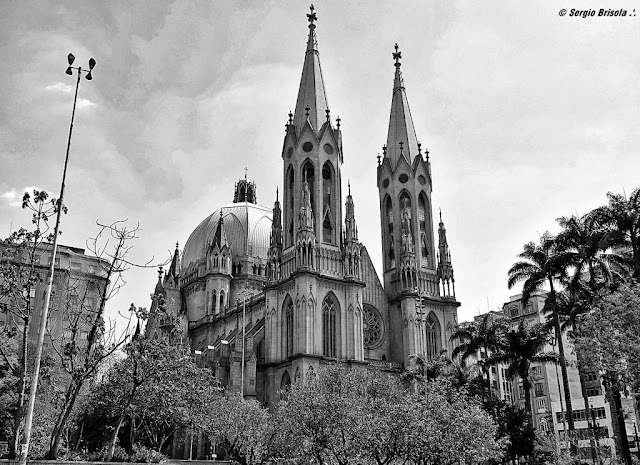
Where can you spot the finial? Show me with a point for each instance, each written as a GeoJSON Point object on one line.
{"type": "Point", "coordinates": [245, 172]}
{"type": "Point", "coordinates": [349, 186]}
{"type": "Point", "coordinates": [160, 273]}
{"type": "Point", "coordinates": [440, 215]}
{"type": "Point", "coordinates": [327, 111]}
{"type": "Point", "coordinates": [397, 56]}
{"type": "Point", "coordinates": [290, 117]}
{"type": "Point", "coordinates": [338, 122]}
{"type": "Point", "coordinates": [426, 151]}
{"type": "Point", "coordinates": [177, 246]}
{"type": "Point", "coordinates": [384, 150]}
{"type": "Point", "coordinates": [221, 215]}
{"type": "Point", "coordinates": [277, 192]}
{"type": "Point", "coordinates": [311, 17]}
{"type": "Point", "coordinates": [306, 111]}
{"type": "Point", "coordinates": [378, 158]}
{"type": "Point", "coordinates": [419, 148]}
{"type": "Point", "coordinates": [401, 147]}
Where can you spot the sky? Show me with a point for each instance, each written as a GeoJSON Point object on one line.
{"type": "Point", "coordinates": [528, 115]}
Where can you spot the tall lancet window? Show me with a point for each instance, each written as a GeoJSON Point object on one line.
{"type": "Point", "coordinates": [288, 320]}
{"type": "Point", "coordinates": [422, 220]}
{"type": "Point", "coordinates": [327, 205]}
{"type": "Point", "coordinates": [290, 215]}
{"type": "Point", "coordinates": [391, 245]}
{"type": "Point", "coordinates": [433, 340]}
{"type": "Point", "coordinates": [309, 174]}
{"type": "Point", "coordinates": [214, 301]}
{"type": "Point", "coordinates": [329, 330]}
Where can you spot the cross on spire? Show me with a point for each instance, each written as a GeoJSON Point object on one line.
{"type": "Point", "coordinates": [246, 170]}
{"type": "Point", "coordinates": [397, 56]}
{"type": "Point", "coordinates": [312, 16]}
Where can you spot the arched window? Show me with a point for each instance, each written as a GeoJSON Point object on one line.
{"type": "Point", "coordinates": [433, 337]}
{"type": "Point", "coordinates": [330, 308]}
{"type": "Point", "coordinates": [289, 207]}
{"type": "Point", "coordinates": [221, 299]}
{"type": "Point", "coordinates": [422, 221]}
{"type": "Point", "coordinates": [308, 173]}
{"type": "Point", "coordinates": [288, 319]}
{"type": "Point", "coordinates": [391, 246]}
{"type": "Point", "coordinates": [213, 301]}
{"type": "Point", "coordinates": [328, 220]}
{"type": "Point", "coordinates": [285, 384]}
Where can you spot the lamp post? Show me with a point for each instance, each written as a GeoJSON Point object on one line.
{"type": "Point", "coordinates": [26, 434]}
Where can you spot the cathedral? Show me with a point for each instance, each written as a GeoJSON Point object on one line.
{"type": "Point", "coordinates": [267, 295]}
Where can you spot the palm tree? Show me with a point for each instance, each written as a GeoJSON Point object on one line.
{"type": "Point", "coordinates": [586, 243]}
{"type": "Point", "coordinates": [523, 347]}
{"type": "Point", "coordinates": [485, 334]}
{"type": "Point", "coordinates": [545, 264]}
{"type": "Point", "coordinates": [623, 214]}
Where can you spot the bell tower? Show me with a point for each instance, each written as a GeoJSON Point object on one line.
{"type": "Point", "coordinates": [419, 314]}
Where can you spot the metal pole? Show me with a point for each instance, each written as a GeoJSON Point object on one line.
{"type": "Point", "coordinates": [26, 434]}
{"type": "Point", "coordinates": [635, 431]}
{"type": "Point", "coordinates": [244, 307]}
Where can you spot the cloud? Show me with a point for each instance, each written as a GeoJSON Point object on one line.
{"type": "Point", "coordinates": [67, 89]}
{"type": "Point", "coordinates": [13, 197]}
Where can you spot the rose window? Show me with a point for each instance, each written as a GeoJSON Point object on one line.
{"type": "Point", "coordinates": [373, 327]}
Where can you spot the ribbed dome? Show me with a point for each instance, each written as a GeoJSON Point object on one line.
{"type": "Point", "coordinates": [246, 225]}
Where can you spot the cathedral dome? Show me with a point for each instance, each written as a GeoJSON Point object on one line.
{"type": "Point", "coordinates": [247, 227]}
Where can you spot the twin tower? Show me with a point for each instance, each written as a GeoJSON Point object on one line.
{"type": "Point", "coordinates": [323, 298]}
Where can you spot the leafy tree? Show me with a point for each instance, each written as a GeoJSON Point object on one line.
{"type": "Point", "coordinates": [541, 265]}
{"type": "Point", "coordinates": [241, 426]}
{"type": "Point", "coordinates": [523, 347]}
{"type": "Point", "coordinates": [20, 276]}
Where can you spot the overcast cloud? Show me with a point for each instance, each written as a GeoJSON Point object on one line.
{"type": "Point", "coordinates": [527, 115]}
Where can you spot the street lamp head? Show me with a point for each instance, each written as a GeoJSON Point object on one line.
{"type": "Point", "coordinates": [68, 71]}
{"type": "Point", "coordinates": [70, 58]}
{"type": "Point", "coordinates": [88, 77]}
{"type": "Point", "coordinates": [224, 342]}
{"type": "Point", "coordinates": [197, 352]}
{"type": "Point", "coordinates": [92, 63]}
{"type": "Point", "coordinates": [210, 347]}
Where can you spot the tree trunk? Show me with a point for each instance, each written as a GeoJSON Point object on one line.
{"type": "Point", "coordinates": [562, 360]}
{"type": "Point", "coordinates": [114, 436]}
{"type": "Point", "coordinates": [70, 399]}
{"type": "Point", "coordinates": [526, 386]}
{"type": "Point", "coordinates": [18, 419]}
{"type": "Point", "coordinates": [624, 440]}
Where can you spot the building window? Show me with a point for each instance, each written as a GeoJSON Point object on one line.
{"type": "Point", "coordinates": [391, 251]}
{"type": "Point", "coordinates": [539, 388]}
{"type": "Point", "coordinates": [514, 311]}
{"type": "Point", "coordinates": [541, 403]}
{"type": "Point", "coordinates": [422, 221]}
{"type": "Point", "coordinates": [593, 391]}
{"type": "Point", "coordinates": [289, 329]}
{"type": "Point", "coordinates": [537, 370]}
{"type": "Point", "coordinates": [329, 311]}
{"type": "Point", "coordinates": [433, 337]}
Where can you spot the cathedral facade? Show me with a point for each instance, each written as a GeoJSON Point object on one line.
{"type": "Point", "coordinates": [267, 295]}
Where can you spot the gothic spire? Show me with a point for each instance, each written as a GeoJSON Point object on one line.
{"type": "Point", "coordinates": [445, 267]}
{"type": "Point", "coordinates": [401, 130]}
{"type": "Point", "coordinates": [351, 228]}
{"type": "Point", "coordinates": [175, 263]}
{"type": "Point", "coordinates": [312, 97]}
{"type": "Point", "coordinates": [159, 286]}
{"type": "Point", "coordinates": [220, 237]}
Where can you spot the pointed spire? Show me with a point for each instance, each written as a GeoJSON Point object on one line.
{"type": "Point", "coordinates": [220, 237]}
{"type": "Point", "coordinates": [159, 286]}
{"type": "Point", "coordinates": [175, 263]}
{"type": "Point", "coordinates": [275, 243]}
{"type": "Point", "coordinates": [401, 129]}
{"type": "Point", "coordinates": [351, 228]}
{"type": "Point", "coordinates": [445, 267]}
{"type": "Point", "coordinates": [311, 93]}
{"type": "Point", "coordinates": [351, 250]}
